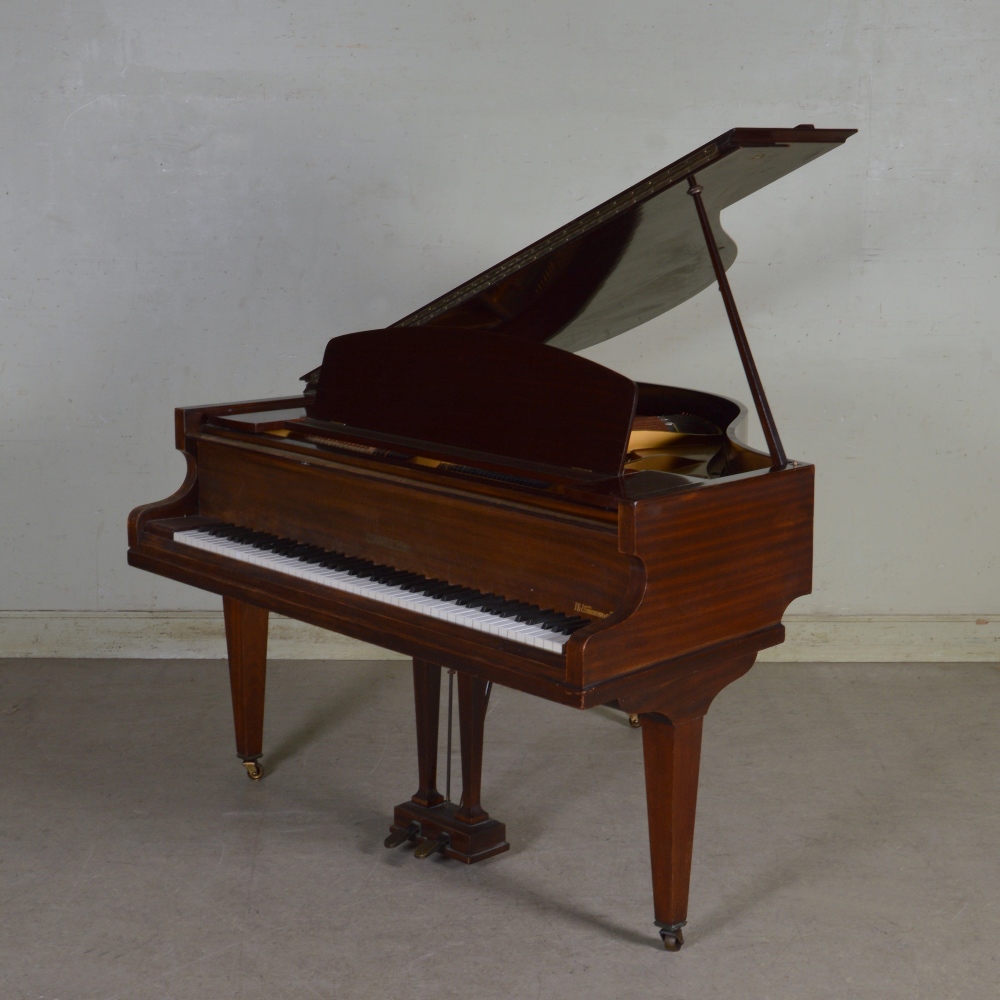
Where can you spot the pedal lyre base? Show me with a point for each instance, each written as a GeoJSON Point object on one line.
{"type": "Point", "coordinates": [467, 842]}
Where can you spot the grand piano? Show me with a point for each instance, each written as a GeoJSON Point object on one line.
{"type": "Point", "coordinates": [466, 490]}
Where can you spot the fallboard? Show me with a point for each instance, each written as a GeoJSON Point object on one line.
{"type": "Point", "coordinates": [551, 560]}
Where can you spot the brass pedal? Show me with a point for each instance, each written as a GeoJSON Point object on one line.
{"type": "Point", "coordinates": [397, 837]}
{"type": "Point", "coordinates": [429, 847]}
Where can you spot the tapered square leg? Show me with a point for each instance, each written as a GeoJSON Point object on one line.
{"type": "Point", "coordinates": [672, 756]}
{"type": "Point", "coordinates": [472, 721]}
{"type": "Point", "coordinates": [427, 699]}
{"type": "Point", "coordinates": [246, 639]}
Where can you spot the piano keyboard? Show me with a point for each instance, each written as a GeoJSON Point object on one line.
{"type": "Point", "coordinates": [542, 628]}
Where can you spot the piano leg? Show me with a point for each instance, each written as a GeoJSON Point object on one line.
{"type": "Point", "coordinates": [672, 754]}
{"type": "Point", "coordinates": [427, 698]}
{"type": "Point", "coordinates": [464, 831]}
{"type": "Point", "coordinates": [471, 720]}
{"type": "Point", "coordinates": [246, 639]}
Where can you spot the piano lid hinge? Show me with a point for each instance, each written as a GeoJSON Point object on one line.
{"type": "Point", "coordinates": [774, 446]}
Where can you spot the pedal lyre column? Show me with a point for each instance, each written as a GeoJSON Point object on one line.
{"type": "Point", "coordinates": [464, 831]}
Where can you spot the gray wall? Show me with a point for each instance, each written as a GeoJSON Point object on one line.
{"type": "Point", "coordinates": [195, 196]}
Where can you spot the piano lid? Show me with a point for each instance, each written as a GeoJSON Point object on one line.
{"type": "Point", "coordinates": [632, 258]}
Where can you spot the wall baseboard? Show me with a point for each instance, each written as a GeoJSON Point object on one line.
{"type": "Point", "coordinates": [164, 635]}
{"type": "Point", "coordinates": [199, 635]}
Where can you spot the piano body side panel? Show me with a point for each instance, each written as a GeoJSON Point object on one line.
{"type": "Point", "coordinates": [534, 556]}
{"type": "Point", "coordinates": [720, 562]}
{"type": "Point", "coordinates": [179, 504]}
{"type": "Point", "coordinates": [188, 419]}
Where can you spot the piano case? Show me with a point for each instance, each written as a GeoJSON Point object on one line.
{"type": "Point", "coordinates": [463, 488]}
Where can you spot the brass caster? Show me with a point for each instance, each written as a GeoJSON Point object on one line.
{"type": "Point", "coordinates": [397, 837]}
{"type": "Point", "coordinates": [672, 937]}
{"type": "Point", "coordinates": [255, 771]}
{"type": "Point", "coordinates": [633, 721]}
{"type": "Point", "coordinates": [429, 847]}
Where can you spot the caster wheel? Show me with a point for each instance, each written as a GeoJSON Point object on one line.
{"type": "Point", "coordinates": [672, 940]}
{"type": "Point", "coordinates": [254, 770]}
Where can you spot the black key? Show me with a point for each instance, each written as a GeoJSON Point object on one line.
{"type": "Point", "coordinates": [492, 601]}
{"type": "Point", "coordinates": [469, 598]}
{"type": "Point", "coordinates": [533, 616]}
{"type": "Point", "coordinates": [562, 620]}
{"type": "Point", "coordinates": [486, 602]}
{"type": "Point", "coordinates": [356, 566]}
{"type": "Point", "coordinates": [540, 617]}
{"type": "Point", "coordinates": [382, 574]}
{"type": "Point", "coordinates": [506, 609]}
{"type": "Point", "coordinates": [551, 621]}
{"type": "Point", "coordinates": [337, 560]}
{"type": "Point", "coordinates": [341, 562]}
{"type": "Point", "coordinates": [443, 591]}
{"type": "Point", "coordinates": [569, 626]}
{"type": "Point", "coordinates": [351, 562]}
{"type": "Point", "coordinates": [520, 609]}
{"type": "Point", "coordinates": [530, 611]}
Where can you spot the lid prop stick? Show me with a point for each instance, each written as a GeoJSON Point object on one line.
{"type": "Point", "coordinates": [774, 447]}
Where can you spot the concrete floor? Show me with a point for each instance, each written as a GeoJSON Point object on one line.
{"type": "Point", "coordinates": [847, 842]}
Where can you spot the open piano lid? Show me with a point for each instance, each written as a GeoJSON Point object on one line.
{"type": "Point", "coordinates": [632, 258]}
{"type": "Point", "coordinates": [621, 264]}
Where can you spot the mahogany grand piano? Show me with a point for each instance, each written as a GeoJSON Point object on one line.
{"type": "Point", "coordinates": [464, 489]}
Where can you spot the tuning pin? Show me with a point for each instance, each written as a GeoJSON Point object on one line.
{"type": "Point", "coordinates": [397, 837]}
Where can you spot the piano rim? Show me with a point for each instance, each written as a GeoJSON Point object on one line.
{"type": "Point", "coordinates": [193, 423]}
